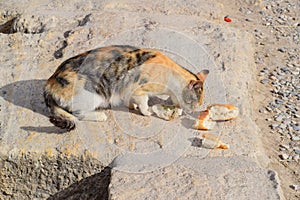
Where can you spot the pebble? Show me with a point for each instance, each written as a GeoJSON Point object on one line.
{"type": "Point", "coordinates": [295, 187]}
{"type": "Point", "coordinates": [282, 50]}
{"type": "Point", "coordinates": [284, 156]}
{"type": "Point", "coordinates": [282, 126]}
{"type": "Point", "coordinates": [268, 109]}
{"type": "Point", "coordinates": [296, 128]}
{"type": "Point", "coordinates": [287, 121]}
{"type": "Point", "coordinates": [279, 118]}
{"type": "Point", "coordinates": [262, 110]}
{"type": "Point", "coordinates": [296, 157]}
{"type": "Point", "coordinates": [297, 151]}
{"type": "Point", "coordinates": [295, 138]}
{"type": "Point", "coordinates": [285, 146]}
{"type": "Point", "coordinates": [273, 126]}
{"type": "Point", "coordinates": [264, 81]}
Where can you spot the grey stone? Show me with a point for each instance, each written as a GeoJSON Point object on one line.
{"type": "Point", "coordinates": [285, 146]}
{"type": "Point", "coordinates": [295, 138]}
{"type": "Point", "coordinates": [273, 126]}
{"type": "Point", "coordinates": [296, 127]}
{"type": "Point", "coordinates": [262, 110]}
{"type": "Point", "coordinates": [279, 118]}
{"type": "Point", "coordinates": [297, 151]}
{"type": "Point", "coordinates": [295, 187]}
{"type": "Point", "coordinates": [287, 121]}
{"type": "Point", "coordinates": [284, 156]}
{"type": "Point", "coordinates": [282, 126]}
{"type": "Point", "coordinates": [296, 157]}
{"type": "Point", "coordinates": [264, 81]}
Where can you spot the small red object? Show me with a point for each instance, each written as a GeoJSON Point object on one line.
{"type": "Point", "coordinates": [227, 19]}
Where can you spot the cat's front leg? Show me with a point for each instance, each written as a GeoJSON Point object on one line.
{"type": "Point", "coordinates": [142, 104]}
{"type": "Point", "coordinates": [96, 116]}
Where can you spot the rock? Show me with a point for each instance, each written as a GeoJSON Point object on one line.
{"type": "Point", "coordinates": [282, 126]}
{"type": "Point", "coordinates": [262, 110]}
{"type": "Point", "coordinates": [286, 121]}
{"type": "Point", "coordinates": [295, 187]}
{"type": "Point", "coordinates": [268, 109]}
{"type": "Point", "coordinates": [286, 147]}
{"type": "Point", "coordinates": [279, 101]}
{"type": "Point", "coordinates": [296, 128]}
{"type": "Point", "coordinates": [273, 126]}
{"type": "Point", "coordinates": [264, 81]}
{"type": "Point", "coordinates": [279, 118]}
{"type": "Point", "coordinates": [297, 151]}
{"type": "Point", "coordinates": [295, 138]}
{"type": "Point", "coordinates": [296, 157]}
{"type": "Point", "coordinates": [284, 156]}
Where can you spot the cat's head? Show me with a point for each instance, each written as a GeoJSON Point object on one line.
{"type": "Point", "coordinates": [193, 93]}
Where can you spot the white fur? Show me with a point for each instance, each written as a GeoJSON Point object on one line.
{"type": "Point", "coordinates": [142, 104]}
{"type": "Point", "coordinates": [96, 116]}
{"type": "Point", "coordinates": [87, 101]}
{"type": "Point", "coordinates": [115, 100]}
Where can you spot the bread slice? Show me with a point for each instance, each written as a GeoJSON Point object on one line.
{"type": "Point", "coordinates": [216, 112]}
{"type": "Point", "coordinates": [223, 112]}
{"type": "Point", "coordinates": [166, 112]}
{"type": "Point", "coordinates": [211, 141]}
{"type": "Point", "coordinates": [204, 121]}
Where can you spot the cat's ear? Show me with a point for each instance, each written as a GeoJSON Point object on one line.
{"type": "Point", "coordinates": [203, 74]}
{"type": "Point", "coordinates": [195, 84]}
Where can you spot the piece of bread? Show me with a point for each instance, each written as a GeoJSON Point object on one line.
{"type": "Point", "coordinates": [166, 112]}
{"type": "Point", "coordinates": [223, 112]}
{"type": "Point", "coordinates": [210, 141]}
{"type": "Point", "coordinates": [204, 121]}
{"type": "Point", "coordinates": [215, 112]}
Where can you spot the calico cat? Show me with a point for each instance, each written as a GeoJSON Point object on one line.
{"type": "Point", "coordinates": [113, 75]}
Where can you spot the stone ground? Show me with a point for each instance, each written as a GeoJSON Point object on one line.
{"type": "Point", "coordinates": [136, 157]}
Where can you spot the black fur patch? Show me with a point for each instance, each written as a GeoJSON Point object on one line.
{"type": "Point", "coordinates": [62, 123]}
{"type": "Point", "coordinates": [138, 58]}
{"type": "Point", "coordinates": [62, 81]}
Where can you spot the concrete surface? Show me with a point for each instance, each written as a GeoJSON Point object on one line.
{"type": "Point", "coordinates": [150, 158]}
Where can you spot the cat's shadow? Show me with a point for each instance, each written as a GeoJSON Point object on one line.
{"type": "Point", "coordinates": [29, 94]}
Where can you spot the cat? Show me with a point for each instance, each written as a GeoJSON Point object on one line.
{"type": "Point", "coordinates": [84, 85]}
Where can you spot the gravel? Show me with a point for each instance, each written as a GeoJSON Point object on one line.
{"type": "Point", "coordinates": [279, 71]}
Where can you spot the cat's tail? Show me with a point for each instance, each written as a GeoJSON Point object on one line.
{"type": "Point", "coordinates": [59, 116]}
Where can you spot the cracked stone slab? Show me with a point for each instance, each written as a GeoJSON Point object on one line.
{"type": "Point", "coordinates": [209, 178]}
{"type": "Point", "coordinates": [25, 125]}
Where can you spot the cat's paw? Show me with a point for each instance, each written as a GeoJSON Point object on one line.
{"type": "Point", "coordinates": [96, 116]}
{"type": "Point", "coordinates": [101, 117]}
{"type": "Point", "coordinates": [146, 112]}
